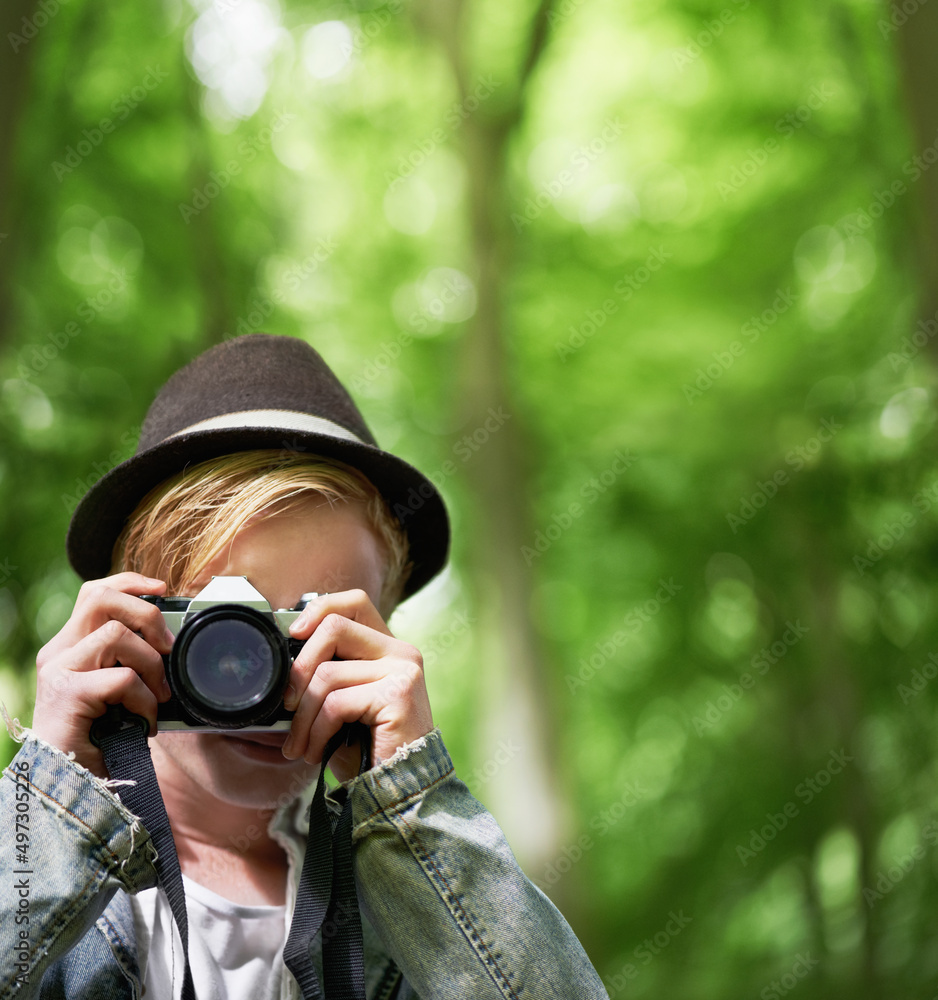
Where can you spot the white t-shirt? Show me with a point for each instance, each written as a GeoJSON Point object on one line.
{"type": "Point", "coordinates": [235, 950]}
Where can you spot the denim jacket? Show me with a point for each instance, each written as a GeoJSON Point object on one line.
{"type": "Point", "coordinates": [443, 898]}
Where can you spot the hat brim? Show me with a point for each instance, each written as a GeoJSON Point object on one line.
{"type": "Point", "coordinates": [102, 513]}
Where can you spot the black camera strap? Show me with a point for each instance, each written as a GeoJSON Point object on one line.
{"type": "Point", "coordinates": [326, 901]}
{"type": "Point", "coordinates": [122, 738]}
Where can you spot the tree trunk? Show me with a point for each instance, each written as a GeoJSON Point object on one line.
{"type": "Point", "coordinates": [514, 694]}
{"type": "Point", "coordinates": [17, 20]}
{"type": "Point", "coordinates": [916, 39]}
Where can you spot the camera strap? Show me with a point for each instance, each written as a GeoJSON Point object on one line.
{"type": "Point", "coordinates": [122, 738]}
{"type": "Point", "coordinates": [326, 901]}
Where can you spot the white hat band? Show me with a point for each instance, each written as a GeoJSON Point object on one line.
{"type": "Point", "coordinates": [285, 420]}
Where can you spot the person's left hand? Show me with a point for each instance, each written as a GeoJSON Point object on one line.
{"type": "Point", "coordinates": [351, 669]}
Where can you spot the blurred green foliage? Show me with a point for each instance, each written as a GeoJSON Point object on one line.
{"type": "Point", "coordinates": [713, 343]}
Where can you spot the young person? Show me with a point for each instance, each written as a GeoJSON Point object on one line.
{"type": "Point", "coordinates": [254, 462]}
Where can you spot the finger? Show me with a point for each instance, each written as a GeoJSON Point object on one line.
{"type": "Point", "coordinates": [113, 645]}
{"type": "Point", "coordinates": [391, 728]}
{"type": "Point", "coordinates": [339, 638]}
{"type": "Point", "coordinates": [359, 703]}
{"type": "Point", "coordinates": [331, 676]}
{"type": "Point", "coordinates": [355, 605]}
{"type": "Point", "coordinates": [89, 694]}
{"type": "Point", "coordinates": [132, 583]}
{"type": "Point", "coordinates": [98, 603]}
{"type": "Point", "coordinates": [95, 593]}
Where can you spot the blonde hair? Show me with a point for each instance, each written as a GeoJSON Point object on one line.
{"type": "Point", "coordinates": [185, 521]}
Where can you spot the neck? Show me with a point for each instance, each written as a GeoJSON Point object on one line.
{"type": "Point", "coordinates": [221, 845]}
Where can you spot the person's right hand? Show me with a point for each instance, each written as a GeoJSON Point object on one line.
{"type": "Point", "coordinates": [73, 689]}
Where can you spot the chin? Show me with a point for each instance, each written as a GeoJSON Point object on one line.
{"type": "Point", "coordinates": [248, 771]}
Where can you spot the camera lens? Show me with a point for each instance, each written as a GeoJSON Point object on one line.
{"type": "Point", "coordinates": [229, 667]}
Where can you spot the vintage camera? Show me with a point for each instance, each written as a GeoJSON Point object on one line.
{"type": "Point", "coordinates": [230, 662]}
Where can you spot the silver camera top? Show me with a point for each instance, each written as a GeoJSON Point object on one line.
{"type": "Point", "coordinates": [228, 590]}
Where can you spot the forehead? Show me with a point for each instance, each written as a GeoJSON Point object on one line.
{"type": "Point", "coordinates": [317, 547]}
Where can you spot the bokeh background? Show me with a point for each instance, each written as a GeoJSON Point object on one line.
{"type": "Point", "coordinates": [649, 289]}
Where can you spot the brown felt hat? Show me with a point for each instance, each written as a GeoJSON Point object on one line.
{"type": "Point", "coordinates": [252, 392]}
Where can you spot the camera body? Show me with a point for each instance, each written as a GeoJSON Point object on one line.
{"type": "Point", "coordinates": [230, 661]}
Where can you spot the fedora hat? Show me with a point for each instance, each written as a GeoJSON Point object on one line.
{"type": "Point", "coordinates": [256, 391]}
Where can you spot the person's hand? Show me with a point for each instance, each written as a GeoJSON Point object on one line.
{"type": "Point", "coordinates": [73, 689]}
{"type": "Point", "coordinates": [351, 669]}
